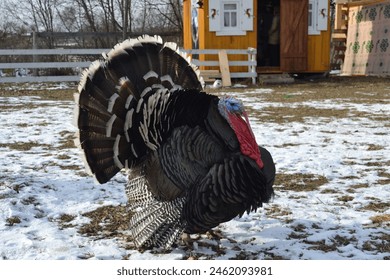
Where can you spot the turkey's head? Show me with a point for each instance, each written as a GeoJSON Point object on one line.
{"type": "Point", "coordinates": [234, 112]}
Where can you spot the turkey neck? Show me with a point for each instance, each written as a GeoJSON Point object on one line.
{"type": "Point", "coordinates": [205, 116]}
{"type": "Point", "coordinates": [190, 107]}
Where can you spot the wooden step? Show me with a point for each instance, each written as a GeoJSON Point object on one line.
{"type": "Point", "coordinates": [339, 36]}
{"type": "Point", "coordinates": [209, 76]}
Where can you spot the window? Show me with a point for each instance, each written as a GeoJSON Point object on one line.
{"type": "Point", "coordinates": [230, 17]}
{"type": "Point", "coordinates": [318, 16]}
{"type": "Point", "coordinates": [312, 20]}
{"type": "Point", "coordinates": [310, 15]}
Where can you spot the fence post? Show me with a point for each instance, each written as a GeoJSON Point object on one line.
{"type": "Point", "coordinates": [252, 58]}
{"type": "Point", "coordinates": [34, 39]}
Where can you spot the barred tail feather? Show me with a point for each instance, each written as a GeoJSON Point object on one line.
{"type": "Point", "coordinates": [155, 223]}
{"type": "Point", "coordinates": [137, 192]}
{"type": "Point", "coordinates": [165, 236]}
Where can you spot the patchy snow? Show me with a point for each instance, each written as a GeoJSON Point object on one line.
{"type": "Point", "coordinates": [42, 182]}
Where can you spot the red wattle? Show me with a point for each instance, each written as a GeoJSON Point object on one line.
{"type": "Point", "coordinates": [248, 145]}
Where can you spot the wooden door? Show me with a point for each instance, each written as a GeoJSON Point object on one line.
{"type": "Point", "coordinates": [293, 35]}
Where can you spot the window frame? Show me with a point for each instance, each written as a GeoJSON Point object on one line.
{"type": "Point", "coordinates": [231, 14]}
{"type": "Point", "coordinates": [244, 17]}
{"type": "Point", "coordinates": [312, 14]}
{"type": "Point", "coordinates": [230, 30]}
{"type": "Point", "coordinates": [318, 16]}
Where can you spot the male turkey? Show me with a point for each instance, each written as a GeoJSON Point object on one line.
{"type": "Point", "coordinates": [192, 157]}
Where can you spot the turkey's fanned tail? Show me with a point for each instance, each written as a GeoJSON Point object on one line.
{"type": "Point", "coordinates": [123, 93]}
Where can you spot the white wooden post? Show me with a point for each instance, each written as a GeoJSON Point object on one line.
{"type": "Point", "coordinates": [34, 39]}
{"type": "Point", "coordinates": [252, 58]}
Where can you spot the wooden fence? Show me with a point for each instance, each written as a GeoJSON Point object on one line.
{"type": "Point", "coordinates": [78, 59]}
{"type": "Point", "coordinates": [52, 64]}
{"type": "Point", "coordinates": [250, 63]}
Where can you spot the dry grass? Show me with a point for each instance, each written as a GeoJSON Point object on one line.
{"type": "Point", "coordinates": [7, 90]}
{"type": "Point", "coordinates": [358, 90]}
{"type": "Point", "coordinates": [386, 177]}
{"type": "Point", "coordinates": [381, 219]}
{"type": "Point", "coordinates": [345, 198]}
{"type": "Point", "coordinates": [277, 212]}
{"type": "Point", "coordinates": [378, 243]}
{"type": "Point", "coordinates": [13, 220]}
{"type": "Point", "coordinates": [334, 244]}
{"type": "Point", "coordinates": [65, 220]}
{"type": "Point", "coordinates": [67, 140]}
{"type": "Point", "coordinates": [106, 222]}
{"type": "Point", "coordinates": [362, 90]}
{"type": "Point", "coordinates": [296, 114]}
{"type": "Point", "coordinates": [24, 146]}
{"type": "Point", "coordinates": [377, 206]}
{"type": "Point", "coordinates": [353, 188]}
{"type": "Point", "coordinates": [299, 182]}
{"type": "Point", "coordinates": [373, 147]}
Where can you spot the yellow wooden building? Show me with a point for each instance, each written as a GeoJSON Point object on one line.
{"type": "Point", "coordinates": [302, 31]}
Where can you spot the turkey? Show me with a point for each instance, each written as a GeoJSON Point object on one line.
{"type": "Point", "coordinates": [191, 157]}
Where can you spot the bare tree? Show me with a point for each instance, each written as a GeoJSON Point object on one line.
{"type": "Point", "coordinates": [126, 17]}
{"type": "Point", "coordinates": [37, 15]}
{"type": "Point", "coordinates": [118, 18]}
{"type": "Point", "coordinates": [170, 11]}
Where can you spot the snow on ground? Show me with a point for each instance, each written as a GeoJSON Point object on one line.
{"type": "Point", "coordinates": [332, 194]}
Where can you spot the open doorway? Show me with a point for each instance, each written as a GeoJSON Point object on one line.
{"type": "Point", "coordinates": [268, 36]}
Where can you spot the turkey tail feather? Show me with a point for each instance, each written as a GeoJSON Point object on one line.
{"type": "Point", "coordinates": [121, 98]}
{"type": "Point", "coordinates": [154, 223]}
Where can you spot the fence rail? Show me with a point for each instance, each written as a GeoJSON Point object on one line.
{"type": "Point", "coordinates": [51, 51]}
{"type": "Point", "coordinates": [81, 59]}
{"type": "Point", "coordinates": [250, 63]}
